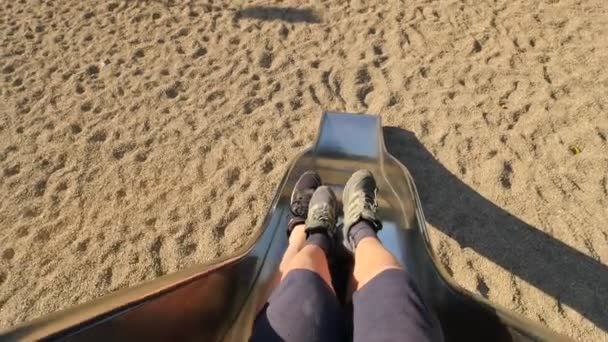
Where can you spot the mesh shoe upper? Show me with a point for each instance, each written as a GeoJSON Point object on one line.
{"type": "Point", "coordinates": [300, 198]}
{"type": "Point", "coordinates": [322, 211]}
{"type": "Point", "coordinates": [360, 202]}
{"type": "Point", "coordinates": [302, 193]}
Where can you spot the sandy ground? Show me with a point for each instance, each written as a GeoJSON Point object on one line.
{"type": "Point", "coordinates": [140, 137]}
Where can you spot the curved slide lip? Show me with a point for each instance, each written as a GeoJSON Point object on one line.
{"type": "Point", "coordinates": [349, 139]}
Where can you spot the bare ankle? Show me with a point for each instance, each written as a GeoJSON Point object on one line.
{"type": "Point", "coordinates": [371, 259]}
{"type": "Point", "coordinates": [298, 236]}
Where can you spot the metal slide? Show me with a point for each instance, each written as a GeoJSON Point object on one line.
{"type": "Point", "coordinates": [219, 301]}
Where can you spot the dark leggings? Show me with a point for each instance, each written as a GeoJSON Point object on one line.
{"type": "Point", "coordinates": [304, 308]}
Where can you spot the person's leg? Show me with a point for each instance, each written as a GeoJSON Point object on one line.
{"type": "Point", "coordinates": [297, 238]}
{"type": "Point", "coordinates": [303, 253]}
{"type": "Point", "coordinates": [311, 258]}
{"type": "Point", "coordinates": [298, 207]}
{"type": "Point", "coordinates": [386, 304]}
{"type": "Point", "coordinates": [371, 259]}
{"type": "Point", "coordinates": [303, 307]}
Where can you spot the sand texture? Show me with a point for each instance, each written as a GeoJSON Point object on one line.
{"type": "Point", "coordinates": [140, 137]}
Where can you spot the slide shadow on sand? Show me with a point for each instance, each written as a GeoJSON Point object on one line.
{"type": "Point", "coordinates": [562, 272]}
{"type": "Point", "coordinates": [288, 14]}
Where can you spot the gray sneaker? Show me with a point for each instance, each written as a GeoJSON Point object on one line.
{"type": "Point", "coordinates": [359, 203]}
{"type": "Point", "coordinates": [322, 212]}
{"type": "Point", "coordinates": [300, 198]}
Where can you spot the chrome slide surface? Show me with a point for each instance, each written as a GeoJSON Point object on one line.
{"type": "Point", "coordinates": [219, 301]}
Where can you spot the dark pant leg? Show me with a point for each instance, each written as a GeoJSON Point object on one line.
{"type": "Point", "coordinates": [301, 308]}
{"type": "Point", "coordinates": [390, 308]}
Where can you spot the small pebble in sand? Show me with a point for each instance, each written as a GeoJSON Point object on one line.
{"type": "Point", "coordinates": [575, 149]}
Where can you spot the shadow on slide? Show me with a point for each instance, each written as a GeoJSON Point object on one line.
{"type": "Point", "coordinates": [219, 301]}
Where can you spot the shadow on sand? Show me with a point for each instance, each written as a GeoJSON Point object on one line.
{"type": "Point", "coordinates": [562, 272]}
{"type": "Point", "coordinates": [288, 14]}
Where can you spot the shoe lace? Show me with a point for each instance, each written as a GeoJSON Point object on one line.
{"type": "Point", "coordinates": [323, 213]}
{"type": "Point", "coordinates": [364, 201]}
{"type": "Point", "coordinates": [299, 206]}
